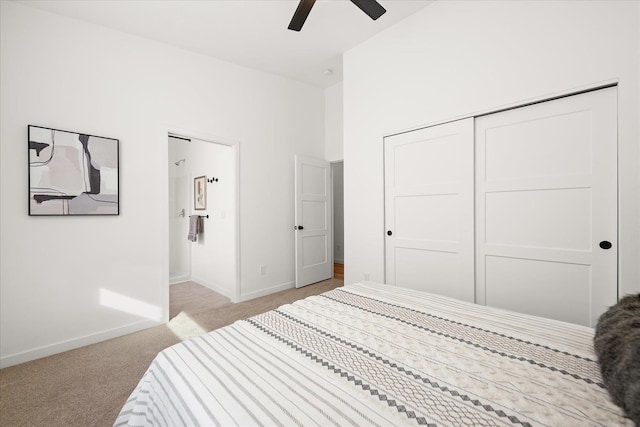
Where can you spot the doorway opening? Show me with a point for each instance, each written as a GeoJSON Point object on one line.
{"type": "Point", "coordinates": [337, 178]}
{"type": "Point", "coordinates": [203, 190]}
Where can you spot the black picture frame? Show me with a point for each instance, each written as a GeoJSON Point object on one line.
{"type": "Point", "coordinates": [72, 173]}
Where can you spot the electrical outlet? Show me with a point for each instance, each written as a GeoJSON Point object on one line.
{"type": "Point", "coordinates": [263, 270]}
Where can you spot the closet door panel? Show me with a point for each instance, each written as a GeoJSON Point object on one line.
{"type": "Point", "coordinates": [546, 196]}
{"type": "Point", "coordinates": [428, 218]}
{"type": "Point", "coordinates": [539, 146]}
{"type": "Point", "coordinates": [435, 271]}
{"type": "Point", "coordinates": [513, 218]}
{"type": "Point", "coordinates": [429, 209]}
{"type": "Point", "coordinates": [537, 280]}
{"type": "Point", "coordinates": [431, 159]}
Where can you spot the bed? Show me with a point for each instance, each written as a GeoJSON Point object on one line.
{"type": "Point", "coordinates": [375, 355]}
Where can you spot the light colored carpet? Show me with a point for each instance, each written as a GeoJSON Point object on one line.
{"type": "Point", "coordinates": [89, 385]}
{"type": "Point", "coordinates": [191, 298]}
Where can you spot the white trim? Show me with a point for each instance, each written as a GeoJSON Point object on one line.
{"type": "Point", "coordinates": [236, 154]}
{"type": "Point", "coordinates": [179, 279]}
{"type": "Point", "coordinates": [268, 291]}
{"type": "Point", "coordinates": [516, 104]}
{"type": "Point", "coordinates": [214, 287]}
{"type": "Point", "coordinates": [72, 344]}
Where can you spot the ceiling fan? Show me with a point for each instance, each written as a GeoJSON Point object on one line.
{"type": "Point", "coordinates": [370, 7]}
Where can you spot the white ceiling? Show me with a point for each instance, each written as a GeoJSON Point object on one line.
{"type": "Point", "coordinates": [252, 33]}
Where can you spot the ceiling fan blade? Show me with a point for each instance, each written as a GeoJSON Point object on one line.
{"type": "Point", "coordinates": [370, 7]}
{"type": "Point", "coordinates": [300, 15]}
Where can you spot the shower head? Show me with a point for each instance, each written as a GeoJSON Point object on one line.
{"type": "Point", "coordinates": [179, 161]}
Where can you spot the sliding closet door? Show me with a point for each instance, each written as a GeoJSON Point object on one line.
{"type": "Point", "coordinates": [429, 209]}
{"type": "Point", "coordinates": [546, 206]}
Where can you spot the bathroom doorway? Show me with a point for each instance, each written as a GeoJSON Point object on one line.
{"type": "Point", "coordinates": [210, 258]}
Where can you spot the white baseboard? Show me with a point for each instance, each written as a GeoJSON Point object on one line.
{"type": "Point", "coordinates": [339, 261]}
{"type": "Point", "coordinates": [214, 287]}
{"type": "Point", "coordinates": [59, 347]}
{"type": "Point", "coordinates": [267, 291]}
{"type": "Point", "coordinates": [179, 279]}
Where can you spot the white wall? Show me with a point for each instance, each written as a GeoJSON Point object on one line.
{"type": "Point", "coordinates": [213, 261]}
{"type": "Point", "coordinates": [62, 73]}
{"type": "Point", "coordinates": [453, 59]}
{"type": "Point", "coordinates": [334, 126]}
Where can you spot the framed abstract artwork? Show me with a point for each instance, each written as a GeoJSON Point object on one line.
{"type": "Point", "coordinates": [72, 173]}
{"type": "Point", "coordinates": [200, 193]}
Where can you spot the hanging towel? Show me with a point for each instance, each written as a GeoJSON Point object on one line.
{"type": "Point", "coordinates": [196, 226]}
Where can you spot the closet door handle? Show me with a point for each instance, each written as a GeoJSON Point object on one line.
{"type": "Point", "coordinates": [298, 227]}
{"type": "Point", "coordinates": [389, 233]}
{"type": "Point", "coordinates": [605, 244]}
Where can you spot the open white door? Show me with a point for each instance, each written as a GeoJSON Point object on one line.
{"type": "Point", "coordinates": [313, 221]}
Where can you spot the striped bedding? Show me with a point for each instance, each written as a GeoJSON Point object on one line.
{"type": "Point", "coordinates": [374, 355]}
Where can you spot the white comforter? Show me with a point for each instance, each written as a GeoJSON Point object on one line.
{"type": "Point", "coordinates": [374, 355]}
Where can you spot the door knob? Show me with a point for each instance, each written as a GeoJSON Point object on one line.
{"type": "Point", "coordinates": [605, 244]}
{"type": "Point", "coordinates": [298, 227]}
{"type": "Point", "coordinates": [389, 233]}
